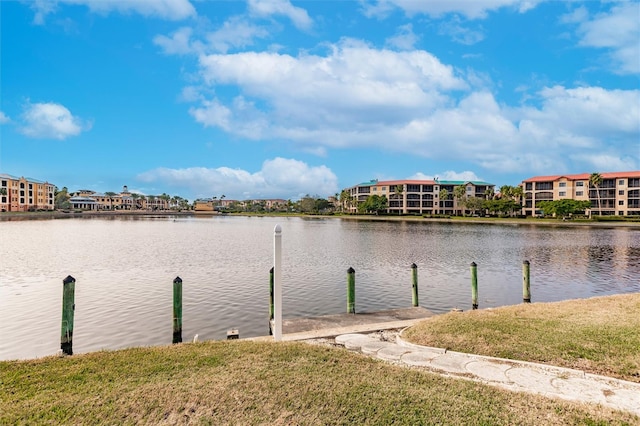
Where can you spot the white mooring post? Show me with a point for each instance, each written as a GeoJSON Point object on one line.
{"type": "Point", "coordinates": [277, 283]}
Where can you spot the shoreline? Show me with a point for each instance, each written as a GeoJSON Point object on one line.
{"type": "Point", "coordinates": [19, 216]}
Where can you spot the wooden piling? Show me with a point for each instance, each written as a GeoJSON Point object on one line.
{"type": "Point", "coordinates": [351, 291]}
{"type": "Point", "coordinates": [414, 284]}
{"type": "Point", "coordinates": [177, 310]}
{"type": "Point", "coordinates": [68, 310]}
{"type": "Point", "coordinates": [526, 284]}
{"type": "Point", "coordinates": [474, 285]}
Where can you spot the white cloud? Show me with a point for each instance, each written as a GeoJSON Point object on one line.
{"type": "Point", "coordinates": [179, 43]}
{"type": "Point", "coordinates": [405, 39]}
{"type": "Point", "coordinates": [172, 10]}
{"type": "Point", "coordinates": [460, 33]}
{"type": "Point", "coordinates": [278, 178]}
{"type": "Point", "coordinates": [266, 8]}
{"type": "Point", "coordinates": [618, 31]}
{"type": "Point", "coordinates": [476, 9]}
{"type": "Point", "coordinates": [451, 175]}
{"type": "Point", "coordinates": [351, 90]}
{"type": "Point", "coordinates": [448, 175]}
{"type": "Point", "coordinates": [587, 112]}
{"type": "Point", "coordinates": [50, 121]}
{"type": "Point", "coordinates": [604, 161]}
{"type": "Point", "coordinates": [4, 119]}
{"type": "Point", "coordinates": [358, 96]}
{"type": "Point", "coordinates": [236, 32]}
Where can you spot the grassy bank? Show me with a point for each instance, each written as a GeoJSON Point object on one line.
{"type": "Point", "coordinates": [261, 383]}
{"type": "Point", "coordinates": [244, 382]}
{"type": "Point", "coordinates": [599, 335]}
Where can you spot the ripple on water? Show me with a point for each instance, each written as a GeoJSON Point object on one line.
{"type": "Point", "coordinates": [125, 269]}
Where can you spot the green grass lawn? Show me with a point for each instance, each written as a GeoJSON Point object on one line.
{"type": "Point", "coordinates": [260, 383]}
{"type": "Point", "coordinates": [599, 335]}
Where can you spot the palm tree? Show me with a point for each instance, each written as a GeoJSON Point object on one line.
{"type": "Point", "coordinates": [444, 194]}
{"type": "Point", "coordinates": [110, 194]}
{"type": "Point", "coordinates": [506, 191]}
{"type": "Point", "coordinates": [135, 197]}
{"type": "Point", "coordinates": [595, 180]}
{"type": "Point", "coordinates": [459, 193]}
{"type": "Point", "coordinates": [489, 193]}
{"type": "Point", "coordinates": [398, 190]}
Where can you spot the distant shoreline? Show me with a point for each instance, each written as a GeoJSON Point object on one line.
{"type": "Point", "coordinates": [19, 216]}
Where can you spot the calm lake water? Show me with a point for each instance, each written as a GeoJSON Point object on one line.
{"type": "Point", "coordinates": [124, 268]}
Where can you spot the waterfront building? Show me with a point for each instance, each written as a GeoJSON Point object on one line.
{"type": "Point", "coordinates": [125, 200]}
{"type": "Point", "coordinates": [617, 194]}
{"type": "Point", "coordinates": [418, 196]}
{"type": "Point", "coordinates": [20, 194]}
{"type": "Point", "coordinates": [79, 202]}
{"type": "Point", "coordinates": [203, 205]}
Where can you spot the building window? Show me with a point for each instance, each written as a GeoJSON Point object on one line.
{"type": "Point", "coordinates": [579, 193]}
{"type": "Point", "coordinates": [579, 183]}
{"type": "Point", "coordinates": [562, 193]}
{"type": "Point", "coordinates": [621, 182]}
{"type": "Point", "coordinates": [621, 203]}
{"type": "Point", "coordinates": [621, 192]}
{"type": "Point", "coordinates": [563, 184]}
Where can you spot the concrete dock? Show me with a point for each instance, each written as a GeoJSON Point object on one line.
{"type": "Point", "coordinates": [334, 325]}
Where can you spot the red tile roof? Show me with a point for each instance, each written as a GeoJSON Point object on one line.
{"type": "Point", "coordinates": [585, 176]}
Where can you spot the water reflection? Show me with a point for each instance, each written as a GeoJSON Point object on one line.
{"type": "Point", "coordinates": [125, 267]}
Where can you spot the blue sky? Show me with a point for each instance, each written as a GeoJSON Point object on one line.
{"type": "Point", "coordinates": [279, 98]}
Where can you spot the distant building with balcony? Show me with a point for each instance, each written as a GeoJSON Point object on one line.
{"type": "Point", "coordinates": [125, 200]}
{"type": "Point", "coordinates": [417, 196]}
{"type": "Point", "coordinates": [20, 194]}
{"type": "Point", "coordinates": [618, 193]}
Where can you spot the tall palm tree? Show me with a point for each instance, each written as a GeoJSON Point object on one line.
{"type": "Point", "coordinates": [444, 194]}
{"type": "Point", "coordinates": [398, 190]}
{"type": "Point", "coordinates": [595, 180]}
{"type": "Point", "coordinates": [110, 194]}
{"type": "Point", "coordinates": [489, 193]}
{"type": "Point", "coordinates": [459, 193]}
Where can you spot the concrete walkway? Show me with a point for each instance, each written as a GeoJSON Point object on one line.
{"type": "Point", "coordinates": [557, 382]}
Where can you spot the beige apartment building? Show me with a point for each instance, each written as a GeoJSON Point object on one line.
{"type": "Point", "coordinates": [85, 199]}
{"type": "Point", "coordinates": [20, 194]}
{"type": "Point", "coordinates": [417, 196]}
{"type": "Point", "coordinates": [618, 193]}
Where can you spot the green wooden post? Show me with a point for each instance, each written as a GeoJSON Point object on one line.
{"type": "Point", "coordinates": [474, 285]}
{"type": "Point", "coordinates": [414, 275]}
{"type": "Point", "coordinates": [351, 291]}
{"type": "Point", "coordinates": [68, 310]}
{"type": "Point", "coordinates": [526, 284]}
{"type": "Point", "coordinates": [177, 310]}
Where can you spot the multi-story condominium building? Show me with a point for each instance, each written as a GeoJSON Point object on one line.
{"type": "Point", "coordinates": [617, 194]}
{"type": "Point", "coordinates": [85, 199]}
{"type": "Point", "coordinates": [20, 194]}
{"type": "Point", "coordinates": [417, 196]}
